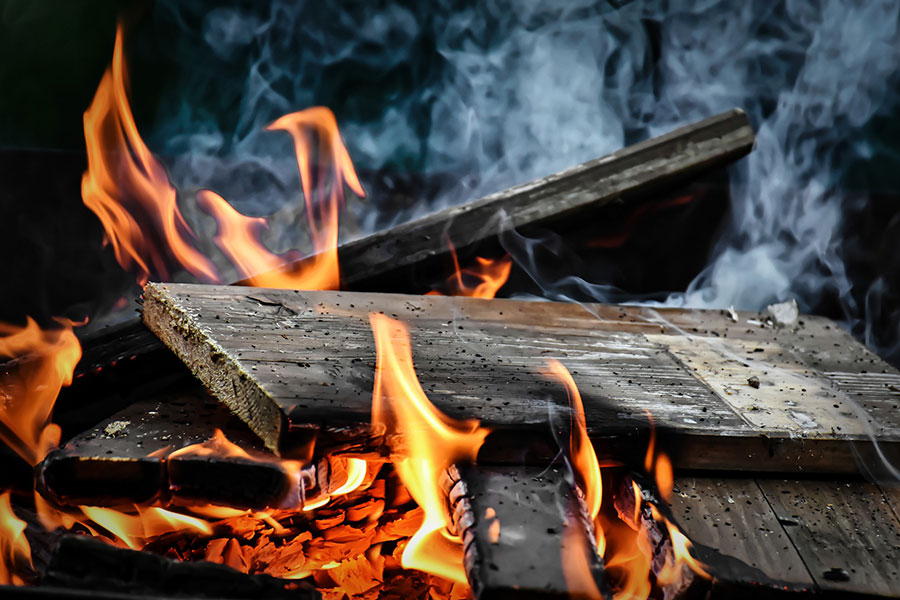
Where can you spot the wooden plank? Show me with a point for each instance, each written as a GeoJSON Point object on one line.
{"type": "Point", "coordinates": [845, 532]}
{"type": "Point", "coordinates": [293, 364]}
{"type": "Point", "coordinates": [733, 516]}
{"type": "Point", "coordinates": [521, 529]}
{"type": "Point", "coordinates": [125, 460]}
{"type": "Point", "coordinates": [637, 170]}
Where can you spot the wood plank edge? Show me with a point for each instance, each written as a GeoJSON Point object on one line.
{"type": "Point", "coordinates": [213, 366]}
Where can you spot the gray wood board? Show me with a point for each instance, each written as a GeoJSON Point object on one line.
{"type": "Point", "coordinates": [289, 362]}
{"type": "Point", "coordinates": [845, 532]}
{"type": "Point", "coordinates": [733, 517]}
{"type": "Point", "coordinates": [633, 171]}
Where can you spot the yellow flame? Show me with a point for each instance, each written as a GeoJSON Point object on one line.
{"type": "Point", "coordinates": [424, 444]}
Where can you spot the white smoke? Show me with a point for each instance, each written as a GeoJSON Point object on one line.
{"type": "Point", "coordinates": [498, 93]}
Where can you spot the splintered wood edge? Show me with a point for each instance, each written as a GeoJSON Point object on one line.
{"type": "Point", "coordinates": [211, 364]}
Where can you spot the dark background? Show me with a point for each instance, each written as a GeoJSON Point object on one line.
{"type": "Point", "coordinates": [53, 54]}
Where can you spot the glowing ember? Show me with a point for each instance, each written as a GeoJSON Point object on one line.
{"type": "Point", "coordinates": [424, 443]}
{"type": "Point", "coordinates": [28, 391]}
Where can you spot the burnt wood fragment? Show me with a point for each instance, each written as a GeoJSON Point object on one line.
{"type": "Point", "coordinates": [372, 262]}
{"type": "Point", "coordinates": [296, 365]}
{"type": "Point", "coordinates": [525, 533]}
{"type": "Point", "coordinates": [80, 562]}
{"type": "Point", "coordinates": [126, 459]}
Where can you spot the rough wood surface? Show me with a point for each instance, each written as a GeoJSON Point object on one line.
{"type": "Point", "coordinates": [845, 533]}
{"type": "Point", "coordinates": [733, 517]}
{"type": "Point", "coordinates": [633, 171]}
{"type": "Point", "coordinates": [125, 459]}
{"type": "Point", "coordinates": [521, 528]}
{"type": "Point", "coordinates": [292, 364]}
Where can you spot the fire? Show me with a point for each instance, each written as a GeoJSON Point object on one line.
{"type": "Point", "coordinates": [316, 136]}
{"type": "Point", "coordinates": [134, 530]}
{"type": "Point", "coordinates": [490, 275]}
{"type": "Point", "coordinates": [128, 189]}
{"type": "Point", "coordinates": [28, 391]}
{"type": "Point", "coordinates": [585, 464]}
{"type": "Point", "coordinates": [576, 561]}
{"type": "Point", "coordinates": [14, 548]}
{"type": "Point", "coordinates": [622, 541]}
{"type": "Point", "coordinates": [424, 444]}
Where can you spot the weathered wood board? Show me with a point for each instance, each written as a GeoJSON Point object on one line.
{"type": "Point", "coordinates": [845, 532]}
{"type": "Point", "coordinates": [294, 363]}
{"type": "Point", "coordinates": [125, 459]}
{"type": "Point", "coordinates": [836, 537]}
{"type": "Point", "coordinates": [734, 517]}
{"type": "Point", "coordinates": [635, 171]}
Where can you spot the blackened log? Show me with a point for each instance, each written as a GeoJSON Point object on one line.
{"type": "Point", "coordinates": [125, 459]}
{"type": "Point", "coordinates": [635, 171]}
{"type": "Point", "coordinates": [522, 528]}
{"type": "Point", "coordinates": [83, 563]}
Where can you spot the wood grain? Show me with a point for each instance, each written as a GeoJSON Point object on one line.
{"type": "Point", "coordinates": [845, 532]}
{"type": "Point", "coordinates": [292, 363]}
{"type": "Point", "coordinates": [124, 459]}
{"type": "Point", "coordinates": [733, 516]}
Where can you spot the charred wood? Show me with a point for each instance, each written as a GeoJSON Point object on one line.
{"type": "Point", "coordinates": [525, 533]}
{"type": "Point", "coordinates": [79, 562]}
{"type": "Point", "coordinates": [373, 262]}
{"type": "Point", "coordinates": [126, 459]}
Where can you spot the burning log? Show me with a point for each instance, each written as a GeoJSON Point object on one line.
{"type": "Point", "coordinates": [294, 365]}
{"type": "Point", "coordinates": [525, 533]}
{"type": "Point", "coordinates": [132, 458]}
{"type": "Point", "coordinates": [368, 263]}
{"type": "Point", "coordinates": [79, 562]}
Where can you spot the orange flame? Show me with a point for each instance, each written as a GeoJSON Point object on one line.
{"type": "Point", "coordinates": [239, 236]}
{"type": "Point", "coordinates": [133, 531]}
{"type": "Point", "coordinates": [14, 548]}
{"type": "Point", "coordinates": [128, 189]}
{"type": "Point", "coordinates": [28, 392]}
{"type": "Point", "coordinates": [672, 572]}
{"type": "Point", "coordinates": [490, 274]}
{"type": "Point", "coordinates": [624, 545]}
{"type": "Point", "coordinates": [424, 443]}
{"type": "Point", "coordinates": [576, 562]}
{"type": "Point", "coordinates": [581, 451]}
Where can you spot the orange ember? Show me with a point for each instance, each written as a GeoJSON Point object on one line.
{"type": "Point", "coordinates": [482, 280]}
{"type": "Point", "coordinates": [424, 444]}
{"type": "Point", "coordinates": [128, 189]}
{"type": "Point", "coordinates": [28, 391]}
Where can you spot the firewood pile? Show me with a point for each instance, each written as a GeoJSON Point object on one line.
{"type": "Point", "coordinates": [374, 442]}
